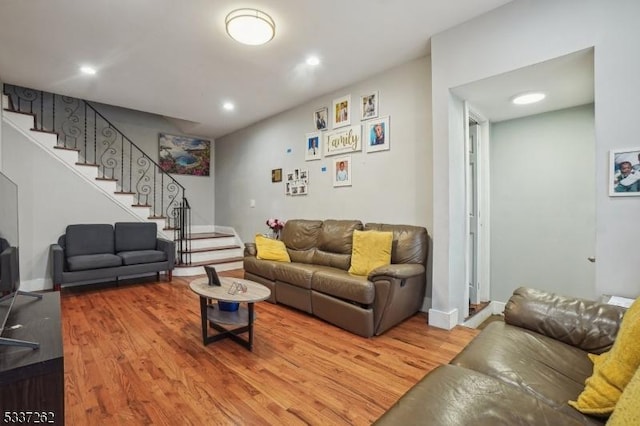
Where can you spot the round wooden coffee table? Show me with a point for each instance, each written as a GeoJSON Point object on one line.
{"type": "Point", "coordinates": [211, 315]}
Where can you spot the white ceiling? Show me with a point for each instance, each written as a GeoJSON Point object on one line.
{"type": "Point", "coordinates": [174, 58]}
{"type": "Point", "coordinates": [567, 81]}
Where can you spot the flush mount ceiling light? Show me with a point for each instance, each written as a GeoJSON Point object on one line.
{"type": "Point", "coordinates": [228, 106]}
{"type": "Point", "coordinates": [250, 26]}
{"type": "Point", "coordinates": [313, 61]}
{"type": "Point", "coordinates": [88, 70]}
{"type": "Point", "coordinates": [528, 98]}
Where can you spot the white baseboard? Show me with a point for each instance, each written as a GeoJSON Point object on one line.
{"type": "Point", "coordinates": [497, 308]}
{"type": "Point", "coordinates": [440, 319]}
{"type": "Point", "coordinates": [494, 308]}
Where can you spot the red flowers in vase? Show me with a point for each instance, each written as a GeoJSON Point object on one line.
{"type": "Point", "coordinates": [276, 226]}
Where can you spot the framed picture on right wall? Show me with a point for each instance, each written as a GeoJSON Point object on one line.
{"type": "Point", "coordinates": [377, 135]}
{"type": "Point", "coordinates": [624, 172]}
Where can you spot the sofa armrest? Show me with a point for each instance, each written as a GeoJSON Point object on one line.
{"type": "Point", "coordinates": [400, 271]}
{"type": "Point", "coordinates": [57, 260]}
{"type": "Point", "coordinates": [588, 325]}
{"type": "Point", "coordinates": [169, 247]}
{"type": "Point", "coordinates": [250, 249]}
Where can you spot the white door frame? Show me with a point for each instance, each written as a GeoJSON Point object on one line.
{"type": "Point", "coordinates": [482, 198]}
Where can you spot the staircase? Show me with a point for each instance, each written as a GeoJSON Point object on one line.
{"type": "Point", "coordinates": [87, 143]}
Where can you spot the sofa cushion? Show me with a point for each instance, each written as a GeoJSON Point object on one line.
{"type": "Point", "coordinates": [132, 236]}
{"type": "Point", "coordinates": [545, 368]}
{"type": "Point", "coordinates": [270, 249]}
{"type": "Point", "coordinates": [263, 268]}
{"type": "Point", "coordinates": [296, 274]}
{"type": "Point", "coordinates": [300, 234]}
{"type": "Point", "coordinates": [336, 236]}
{"type": "Point", "coordinates": [451, 395]}
{"type": "Point", "coordinates": [88, 239]}
{"type": "Point", "coordinates": [142, 256]}
{"type": "Point", "coordinates": [410, 243]}
{"type": "Point", "coordinates": [93, 261]}
{"type": "Point", "coordinates": [370, 250]}
{"type": "Point", "coordinates": [340, 284]}
{"type": "Point", "coordinates": [614, 369]}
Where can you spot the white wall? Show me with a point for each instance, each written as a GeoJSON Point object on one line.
{"type": "Point", "coordinates": [389, 186]}
{"type": "Point", "coordinates": [143, 128]}
{"type": "Point", "coordinates": [50, 197]}
{"type": "Point", "coordinates": [518, 34]}
{"type": "Point", "coordinates": [543, 203]}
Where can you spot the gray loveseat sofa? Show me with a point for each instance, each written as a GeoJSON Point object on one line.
{"type": "Point", "coordinates": [92, 252]}
{"type": "Point", "coordinates": [522, 371]}
{"type": "Point", "coordinates": [316, 281]}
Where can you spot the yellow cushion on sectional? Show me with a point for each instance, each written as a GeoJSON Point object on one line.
{"type": "Point", "coordinates": [627, 412]}
{"type": "Point", "coordinates": [370, 250]}
{"type": "Point", "coordinates": [614, 370]}
{"type": "Point", "coordinates": [270, 249]}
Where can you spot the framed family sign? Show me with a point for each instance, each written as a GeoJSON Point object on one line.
{"type": "Point", "coordinates": [348, 139]}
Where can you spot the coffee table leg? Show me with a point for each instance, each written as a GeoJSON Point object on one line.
{"type": "Point", "coordinates": [250, 309]}
{"type": "Point", "coordinates": [203, 315]}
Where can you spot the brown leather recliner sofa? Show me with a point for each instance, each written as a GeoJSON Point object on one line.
{"type": "Point", "coordinates": [522, 371]}
{"type": "Point", "coordinates": [316, 281]}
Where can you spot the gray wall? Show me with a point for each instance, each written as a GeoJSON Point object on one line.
{"type": "Point", "coordinates": [543, 203]}
{"type": "Point", "coordinates": [389, 186]}
{"type": "Point", "coordinates": [143, 128]}
{"type": "Point", "coordinates": [509, 38]}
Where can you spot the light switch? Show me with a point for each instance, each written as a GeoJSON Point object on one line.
{"type": "Point", "coordinates": [252, 203]}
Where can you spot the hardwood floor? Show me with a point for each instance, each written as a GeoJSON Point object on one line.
{"type": "Point", "coordinates": [134, 356]}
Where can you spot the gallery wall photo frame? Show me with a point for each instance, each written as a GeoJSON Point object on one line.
{"type": "Point", "coordinates": [341, 111]}
{"type": "Point", "coordinates": [342, 141]}
{"type": "Point", "coordinates": [377, 135]}
{"type": "Point", "coordinates": [184, 155]}
{"type": "Point", "coordinates": [313, 146]}
{"type": "Point", "coordinates": [369, 105]}
{"type": "Point", "coordinates": [276, 175]}
{"type": "Point", "coordinates": [321, 118]}
{"type": "Point", "coordinates": [342, 171]}
{"type": "Point", "coordinates": [297, 182]}
{"type": "Point", "coordinates": [624, 172]}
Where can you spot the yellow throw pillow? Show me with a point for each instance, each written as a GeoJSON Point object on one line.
{"type": "Point", "coordinates": [627, 412]}
{"type": "Point", "coordinates": [270, 249]}
{"type": "Point", "coordinates": [370, 250]}
{"type": "Point", "coordinates": [613, 370]}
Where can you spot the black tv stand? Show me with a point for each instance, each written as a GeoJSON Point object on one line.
{"type": "Point", "coordinates": [5, 341]}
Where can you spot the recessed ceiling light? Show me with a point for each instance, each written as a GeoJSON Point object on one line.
{"type": "Point", "coordinates": [250, 26]}
{"type": "Point", "coordinates": [528, 98]}
{"type": "Point", "coordinates": [88, 70]}
{"type": "Point", "coordinates": [313, 60]}
{"type": "Point", "coordinates": [228, 106]}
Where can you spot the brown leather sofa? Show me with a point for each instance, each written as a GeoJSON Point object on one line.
{"type": "Point", "coordinates": [316, 281]}
{"type": "Point", "coordinates": [522, 371]}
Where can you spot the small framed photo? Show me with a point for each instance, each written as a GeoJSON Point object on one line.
{"type": "Point", "coordinates": [624, 173]}
{"type": "Point", "coordinates": [342, 171]}
{"type": "Point", "coordinates": [313, 148]}
{"type": "Point", "coordinates": [341, 111]}
{"type": "Point", "coordinates": [276, 175]}
{"type": "Point", "coordinates": [297, 182]}
{"type": "Point", "coordinates": [369, 106]}
{"type": "Point", "coordinates": [377, 135]}
{"type": "Point", "coordinates": [320, 118]}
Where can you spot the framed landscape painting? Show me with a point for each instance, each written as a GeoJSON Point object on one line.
{"type": "Point", "coordinates": [183, 155]}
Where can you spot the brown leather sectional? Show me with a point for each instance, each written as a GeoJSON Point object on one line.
{"type": "Point", "coordinates": [316, 281]}
{"type": "Point", "coordinates": [522, 371]}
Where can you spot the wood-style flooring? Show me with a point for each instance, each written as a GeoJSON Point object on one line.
{"type": "Point", "coordinates": [134, 356]}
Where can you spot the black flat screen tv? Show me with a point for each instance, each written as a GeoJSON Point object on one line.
{"type": "Point", "coordinates": [9, 260]}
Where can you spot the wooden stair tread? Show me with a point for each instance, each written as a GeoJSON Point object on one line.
{"type": "Point", "coordinates": [124, 193]}
{"type": "Point", "coordinates": [140, 205]}
{"type": "Point", "coordinates": [87, 164]}
{"type": "Point", "coordinates": [66, 149]}
{"type": "Point", "coordinates": [218, 248]}
{"type": "Point", "coordinates": [20, 112]}
{"type": "Point", "coordinates": [107, 179]}
{"type": "Point", "coordinates": [156, 217]}
{"type": "Point", "coordinates": [44, 131]}
{"type": "Point", "coordinates": [212, 262]}
{"type": "Point", "coordinates": [203, 235]}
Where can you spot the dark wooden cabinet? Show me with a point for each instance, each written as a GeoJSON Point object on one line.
{"type": "Point", "coordinates": [32, 381]}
